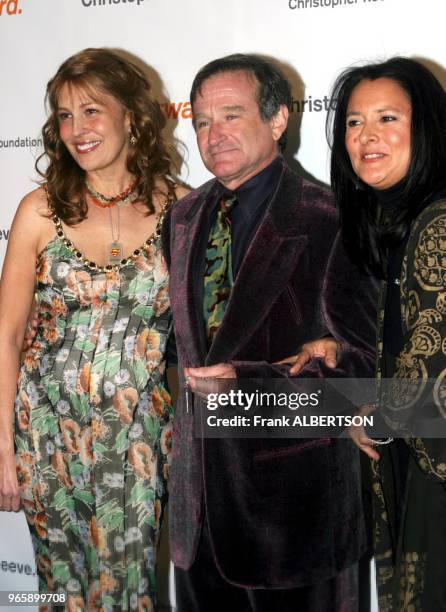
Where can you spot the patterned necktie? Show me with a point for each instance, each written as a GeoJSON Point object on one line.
{"type": "Point", "coordinates": [218, 278]}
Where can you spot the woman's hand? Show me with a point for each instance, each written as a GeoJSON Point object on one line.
{"type": "Point", "coordinates": [360, 438]}
{"type": "Point", "coordinates": [9, 485]}
{"type": "Point", "coordinates": [324, 348]}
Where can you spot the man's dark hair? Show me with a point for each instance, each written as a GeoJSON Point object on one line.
{"type": "Point", "coordinates": [273, 91]}
{"type": "Point", "coordinates": [367, 238]}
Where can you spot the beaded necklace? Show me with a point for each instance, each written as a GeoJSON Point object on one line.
{"type": "Point", "coordinates": [128, 195]}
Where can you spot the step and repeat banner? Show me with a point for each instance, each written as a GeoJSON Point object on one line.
{"type": "Point", "coordinates": [312, 40]}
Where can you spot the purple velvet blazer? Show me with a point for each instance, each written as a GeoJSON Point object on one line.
{"type": "Point", "coordinates": [281, 513]}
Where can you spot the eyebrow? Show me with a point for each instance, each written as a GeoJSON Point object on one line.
{"type": "Point", "coordinates": [81, 105]}
{"type": "Point", "coordinates": [234, 107]}
{"type": "Point", "coordinates": [379, 110]}
{"type": "Point", "coordinates": [228, 107]}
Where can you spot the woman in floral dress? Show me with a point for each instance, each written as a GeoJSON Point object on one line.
{"type": "Point", "coordinates": [88, 456]}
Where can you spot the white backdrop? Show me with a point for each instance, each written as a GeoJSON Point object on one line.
{"type": "Point", "coordinates": [312, 39]}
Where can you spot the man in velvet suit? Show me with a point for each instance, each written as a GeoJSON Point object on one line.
{"type": "Point", "coordinates": [259, 524]}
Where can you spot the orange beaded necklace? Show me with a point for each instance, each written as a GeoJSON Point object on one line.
{"type": "Point", "coordinates": [128, 195]}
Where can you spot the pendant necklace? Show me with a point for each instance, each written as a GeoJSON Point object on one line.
{"type": "Point", "coordinates": [114, 249]}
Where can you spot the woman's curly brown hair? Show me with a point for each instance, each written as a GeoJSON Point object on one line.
{"type": "Point", "coordinates": [103, 71]}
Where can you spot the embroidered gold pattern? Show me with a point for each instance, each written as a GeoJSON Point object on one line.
{"type": "Point", "coordinates": [412, 581]}
{"type": "Point", "coordinates": [385, 603]}
{"type": "Point", "coordinates": [430, 255]}
{"type": "Point", "coordinates": [427, 463]}
{"type": "Point", "coordinates": [411, 310]}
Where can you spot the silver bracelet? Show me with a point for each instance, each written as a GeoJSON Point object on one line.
{"type": "Point", "coordinates": [382, 442]}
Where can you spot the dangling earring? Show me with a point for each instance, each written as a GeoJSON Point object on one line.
{"type": "Point", "coordinates": [357, 183]}
{"type": "Point", "coordinates": [132, 139]}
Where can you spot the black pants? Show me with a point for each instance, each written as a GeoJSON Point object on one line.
{"type": "Point", "coordinates": [202, 589]}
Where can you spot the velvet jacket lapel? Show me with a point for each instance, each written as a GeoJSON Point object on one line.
{"type": "Point", "coordinates": [187, 275]}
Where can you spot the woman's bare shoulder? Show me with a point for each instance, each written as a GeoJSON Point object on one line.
{"type": "Point", "coordinates": [32, 221]}
{"type": "Point", "coordinates": [35, 203]}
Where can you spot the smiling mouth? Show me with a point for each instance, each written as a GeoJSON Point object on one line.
{"type": "Point", "coordinates": [372, 156]}
{"type": "Point", "coordinates": [87, 147]}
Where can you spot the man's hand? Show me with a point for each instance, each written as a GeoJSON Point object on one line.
{"type": "Point", "coordinates": [325, 348]}
{"type": "Point", "coordinates": [204, 380]}
{"type": "Point", "coordinates": [360, 438]}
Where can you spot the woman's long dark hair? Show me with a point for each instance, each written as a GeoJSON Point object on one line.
{"type": "Point", "coordinates": [367, 237]}
{"type": "Point", "coordinates": [104, 71]}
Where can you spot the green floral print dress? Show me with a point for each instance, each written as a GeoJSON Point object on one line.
{"type": "Point", "coordinates": [93, 426]}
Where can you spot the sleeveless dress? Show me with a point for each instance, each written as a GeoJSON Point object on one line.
{"type": "Point", "coordinates": [93, 425]}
